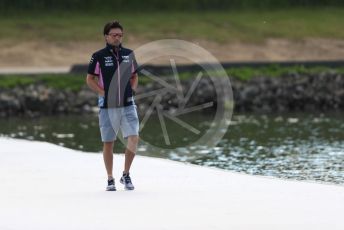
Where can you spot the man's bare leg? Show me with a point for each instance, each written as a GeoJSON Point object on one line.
{"type": "Point", "coordinates": [108, 158]}
{"type": "Point", "coordinates": [130, 152]}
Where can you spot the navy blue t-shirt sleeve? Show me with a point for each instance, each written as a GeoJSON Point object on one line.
{"type": "Point", "coordinates": [93, 66]}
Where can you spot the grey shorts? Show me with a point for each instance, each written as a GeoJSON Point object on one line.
{"type": "Point", "coordinates": [113, 119]}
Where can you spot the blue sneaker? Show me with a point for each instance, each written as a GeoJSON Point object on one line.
{"type": "Point", "coordinates": [126, 180]}
{"type": "Point", "coordinates": [111, 185]}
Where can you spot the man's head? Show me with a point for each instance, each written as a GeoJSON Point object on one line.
{"type": "Point", "coordinates": [113, 33]}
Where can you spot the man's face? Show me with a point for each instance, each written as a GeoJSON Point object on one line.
{"type": "Point", "coordinates": [114, 37]}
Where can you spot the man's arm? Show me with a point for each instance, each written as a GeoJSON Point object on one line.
{"type": "Point", "coordinates": [92, 82]}
{"type": "Point", "coordinates": [134, 81]}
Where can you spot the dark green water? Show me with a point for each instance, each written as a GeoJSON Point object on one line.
{"type": "Point", "coordinates": [294, 146]}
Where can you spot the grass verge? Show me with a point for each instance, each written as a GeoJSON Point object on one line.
{"type": "Point", "coordinates": [74, 82]}
{"type": "Point", "coordinates": [220, 26]}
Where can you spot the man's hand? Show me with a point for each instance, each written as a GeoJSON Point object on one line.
{"type": "Point", "coordinates": [134, 83]}
{"type": "Point", "coordinates": [93, 84]}
{"type": "Point", "coordinates": [102, 93]}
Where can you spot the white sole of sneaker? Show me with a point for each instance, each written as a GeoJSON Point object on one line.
{"type": "Point", "coordinates": [126, 188]}
{"type": "Point", "coordinates": [110, 188]}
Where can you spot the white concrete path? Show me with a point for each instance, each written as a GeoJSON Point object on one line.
{"type": "Point", "coordinates": [44, 186]}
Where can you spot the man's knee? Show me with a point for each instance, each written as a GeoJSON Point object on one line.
{"type": "Point", "coordinates": [107, 147]}
{"type": "Point", "coordinates": [132, 144]}
{"type": "Point", "coordinates": [108, 144]}
{"type": "Point", "coordinates": [133, 139]}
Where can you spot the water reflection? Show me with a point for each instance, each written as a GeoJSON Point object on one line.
{"type": "Point", "coordinates": [294, 146]}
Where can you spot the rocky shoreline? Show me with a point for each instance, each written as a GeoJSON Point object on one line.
{"type": "Point", "coordinates": [288, 93]}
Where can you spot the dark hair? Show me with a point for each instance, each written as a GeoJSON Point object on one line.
{"type": "Point", "coordinates": [112, 25]}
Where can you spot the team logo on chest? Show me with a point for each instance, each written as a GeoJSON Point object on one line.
{"type": "Point", "coordinates": [125, 59]}
{"type": "Point", "coordinates": [108, 61]}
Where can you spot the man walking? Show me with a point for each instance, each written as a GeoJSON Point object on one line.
{"type": "Point", "coordinates": [112, 75]}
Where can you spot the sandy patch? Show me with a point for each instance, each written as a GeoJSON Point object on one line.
{"type": "Point", "coordinates": [45, 54]}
